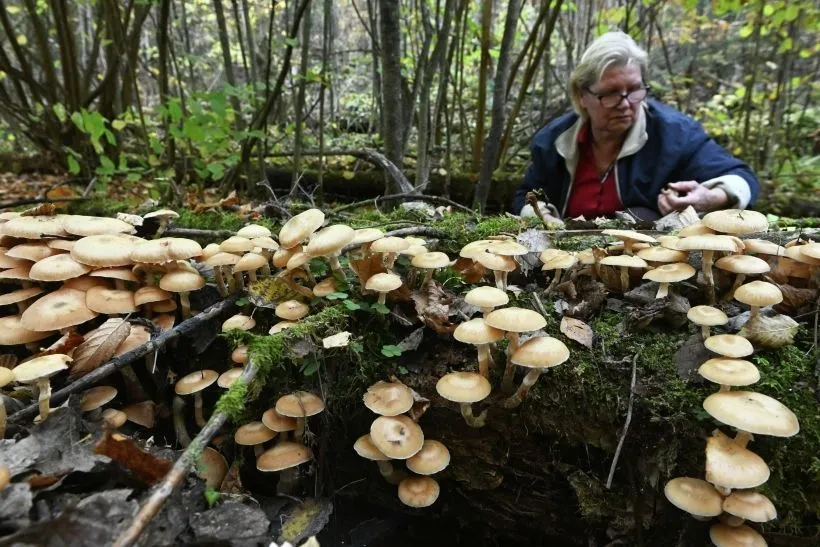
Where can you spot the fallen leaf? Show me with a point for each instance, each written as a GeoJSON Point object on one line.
{"type": "Point", "coordinates": [770, 331]}
{"type": "Point", "coordinates": [412, 341]}
{"type": "Point", "coordinates": [305, 520]}
{"type": "Point", "coordinates": [99, 346]}
{"type": "Point", "coordinates": [65, 344]}
{"type": "Point", "coordinates": [229, 200]}
{"type": "Point", "coordinates": [471, 271]}
{"type": "Point", "coordinates": [44, 209]}
{"type": "Point", "coordinates": [577, 330]}
{"type": "Point", "coordinates": [690, 356]}
{"type": "Point", "coordinates": [432, 305]}
{"type": "Point", "coordinates": [367, 267]}
{"type": "Point", "coordinates": [124, 451]}
{"type": "Point", "coordinates": [339, 340]}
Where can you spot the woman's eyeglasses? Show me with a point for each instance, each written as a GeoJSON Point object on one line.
{"type": "Point", "coordinates": [611, 100]}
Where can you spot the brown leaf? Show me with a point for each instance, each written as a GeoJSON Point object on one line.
{"type": "Point", "coordinates": [367, 267]}
{"type": "Point", "coordinates": [44, 209]}
{"type": "Point", "coordinates": [471, 271]}
{"type": "Point", "coordinates": [794, 298]}
{"type": "Point", "coordinates": [577, 330]}
{"type": "Point", "coordinates": [65, 344]}
{"type": "Point", "coordinates": [229, 200]}
{"type": "Point", "coordinates": [142, 464]}
{"type": "Point", "coordinates": [432, 304]}
{"type": "Point", "coordinates": [99, 346]}
{"type": "Point", "coordinates": [37, 480]}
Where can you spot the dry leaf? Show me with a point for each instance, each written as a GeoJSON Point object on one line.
{"type": "Point", "coordinates": [99, 346]}
{"type": "Point", "coordinates": [65, 344]}
{"type": "Point", "coordinates": [229, 200]}
{"type": "Point", "coordinates": [770, 331]}
{"type": "Point", "coordinates": [367, 267]}
{"type": "Point", "coordinates": [143, 465]}
{"type": "Point", "coordinates": [432, 304]}
{"type": "Point", "coordinates": [44, 209]}
{"type": "Point", "coordinates": [577, 330]}
{"type": "Point", "coordinates": [339, 340]}
{"type": "Point", "coordinates": [471, 271]}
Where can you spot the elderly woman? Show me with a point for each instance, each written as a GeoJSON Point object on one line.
{"type": "Point", "coordinates": [620, 151]}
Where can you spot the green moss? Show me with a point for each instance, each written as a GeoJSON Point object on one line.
{"type": "Point", "coordinates": [216, 220]}
{"type": "Point", "coordinates": [104, 207]}
{"type": "Point", "coordinates": [232, 402]}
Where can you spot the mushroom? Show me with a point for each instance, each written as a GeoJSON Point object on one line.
{"type": "Point", "coordinates": [144, 413]}
{"type": "Point", "coordinates": [696, 229]}
{"type": "Point", "coordinates": [695, 496]}
{"type": "Point", "coordinates": [708, 244]}
{"type": "Point", "coordinates": [110, 301]}
{"type": "Point", "coordinates": [253, 434]}
{"type": "Point", "coordinates": [389, 247]}
{"type": "Point", "coordinates": [183, 283]}
{"type": "Point", "coordinates": [94, 398]}
{"type": "Point", "coordinates": [465, 388]}
{"type": "Point", "coordinates": [365, 448]}
{"type": "Point", "coordinates": [418, 491]}
{"type": "Point", "coordinates": [57, 268]}
{"type": "Point", "coordinates": [514, 321]}
{"type": "Point", "coordinates": [558, 263]}
{"type": "Point", "coordinates": [227, 378]}
{"type": "Point", "coordinates": [284, 456]}
{"type": "Point", "coordinates": [166, 249]}
{"type": "Point", "coordinates": [18, 274]}
{"type": "Point", "coordinates": [624, 262]}
{"type": "Point", "coordinates": [59, 310]}
{"type": "Point", "coordinates": [113, 418]}
{"type": "Point", "coordinates": [478, 333]}
{"type": "Point", "coordinates": [291, 310]}
{"type": "Point", "coordinates": [104, 251]}
{"type": "Point", "coordinates": [164, 216]}
{"type": "Point", "coordinates": [276, 422]}
{"type": "Point", "coordinates": [742, 265]}
{"type": "Point", "coordinates": [299, 227]}
{"type": "Point", "coordinates": [397, 437]}
{"type": "Point", "coordinates": [265, 246]}
{"type": "Point", "coordinates": [500, 265]}
{"type": "Point", "coordinates": [119, 275]}
{"type": "Point", "coordinates": [193, 384]}
{"type": "Point", "coordinates": [20, 297]}
{"type": "Point", "coordinates": [667, 274]}
{"type": "Point", "coordinates": [388, 398]}
{"type": "Point", "coordinates": [730, 465]}
{"type": "Point", "coordinates": [250, 262]}
{"type": "Point", "coordinates": [238, 321]}
{"type": "Point", "coordinates": [430, 262]}
{"type": "Point", "coordinates": [431, 459]}
{"type": "Point", "coordinates": [729, 345]}
{"type": "Point", "coordinates": [38, 371]}
{"type": "Point", "coordinates": [324, 287]}
{"type": "Point", "coordinates": [83, 283]}
{"type": "Point", "coordinates": [487, 298]}
{"type": "Point", "coordinates": [181, 430]}
{"type": "Point", "coordinates": [537, 354]}
{"type": "Point", "coordinates": [146, 296]}
{"type": "Point", "coordinates": [300, 405]}
{"type": "Point", "coordinates": [82, 225]}
{"type": "Point", "coordinates": [629, 238]}
{"type": "Point", "coordinates": [7, 262]}
{"type": "Point", "coordinates": [12, 332]}
{"type": "Point", "coordinates": [705, 317]}
{"type": "Point", "coordinates": [723, 535]}
{"type": "Point", "coordinates": [655, 256]}
{"type": "Point", "coordinates": [34, 227]}
{"type": "Point", "coordinates": [751, 413]}
{"type": "Point", "coordinates": [329, 243]}
{"type": "Point", "coordinates": [240, 355]}
{"type": "Point", "coordinates": [729, 372]}
{"type": "Point", "coordinates": [749, 505]}
{"type": "Point", "coordinates": [212, 467]}
{"type": "Point", "coordinates": [364, 237]}
{"type": "Point", "coordinates": [758, 294]}
{"type": "Point", "coordinates": [736, 221]}
{"type": "Point", "coordinates": [280, 326]}
{"type": "Point", "coordinates": [252, 231]}
{"type": "Point", "coordinates": [218, 262]}
{"type": "Point", "coordinates": [383, 283]}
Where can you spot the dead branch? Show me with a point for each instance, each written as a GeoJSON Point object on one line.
{"type": "Point", "coordinates": [401, 232]}
{"type": "Point", "coordinates": [626, 423]}
{"type": "Point", "coordinates": [192, 232]}
{"type": "Point", "coordinates": [413, 197]}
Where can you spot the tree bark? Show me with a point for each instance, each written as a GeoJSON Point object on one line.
{"type": "Point", "coordinates": [392, 94]}
{"type": "Point", "coordinates": [225, 44]}
{"type": "Point", "coordinates": [483, 75]}
{"type": "Point", "coordinates": [299, 106]}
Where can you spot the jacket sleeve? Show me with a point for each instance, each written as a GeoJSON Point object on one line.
{"type": "Point", "coordinates": [708, 163]}
{"type": "Point", "coordinates": [534, 178]}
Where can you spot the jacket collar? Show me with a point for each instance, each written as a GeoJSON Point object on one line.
{"type": "Point", "coordinates": [567, 142]}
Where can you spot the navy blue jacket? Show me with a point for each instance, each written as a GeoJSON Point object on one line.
{"type": "Point", "coordinates": [676, 149]}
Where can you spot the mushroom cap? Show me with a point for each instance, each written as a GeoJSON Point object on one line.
{"type": "Point", "coordinates": [414, 250]}
{"type": "Point", "coordinates": [252, 231]}
{"type": "Point", "coordinates": [487, 296]}
{"type": "Point", "coordinates": [742, 264]}
{"type": "Point", "coordinates": [57, 268]}
{"type": "Point", "coordinates": [708, 243]}
{"type": "Point", "coordinates": [723, 535]}
{"type": "Point", "coordinates": [506, 247]}
{"type": "Point", "coordinates": [388, 398]}
{"type": "Point", "coordinates": [667, 242]}
{"type": "Point", "coordinates": [103, 251]}
{"type": "Point", "coordinates": [365, 448]}
{"type": "Point", "coordinates": [431, 459]}
{"type": "Point", "coordinates": [222, 259]}
{"type": "Point", "coordinates": [81, 225]}
{"type": "Point", "coordinates": [123, 274]}
{"type": "Point", "coordinates": [560, 262]}
{"type": "Point", "coordinates": [96, 397]}
{"type": "Point", "coordinates": [292, 310]}
{"type": "Point", "coordinates": [10, 262]}
{"type": "Point", "coordinates": [58, 310]}
{"type": "Point", "coordinates": [629, 261]}
{"type": "Point", "coordinates": [110, 301]}
{"type": "Point", "coordinates": [253, 433]}
{"type": "Point", "coordinates": [736, 221]}
{"type": "Point", "coordinates": [397, 437]}
{"type": "Point", "coordinates": [41, 367]}
{"type": "Point", "coordinates": [495, 262]}
{"type": "Point", "coordinates": [212, 467]}
{"type": "Point", "coordinates": [20, 295]}
{"type": "Point", "coordinates": [548, 254]}
{"type": "Point", "coordinates": [84, 282]}
{"type": "Point", "coordinates": [162, 213]}
{"type": "Point", "coordinates": [283, 455]}
{"type": "Point", "coordinates": [383, 282]}
{"type": "Point", "coordinates": [473, 248]}
{"type": "Point", "coordinates": [417, 241]}
{"type": "Point", "coordinates": [33, 227]}
{"type": "Point", "coordinates": [811, 250]}
{"type": "Point", "coordinates": [389, 244]}
{"type": "Point", "coordinates": [114, 418]}
{"type": "Point", "coordinates": [250, 262]}
{"type": "Point", "coordinates": [236, 244]}
{"type": "Point", "coordinates": [281, 325]}
{"type": "Point", "coordinates": [240, 355]}
{"type": "Point", "coordinates": [13, 333]}
{"type": "Point", "coordinates": [299, 404]}
{"type": "Point", "coordinates": [227, 378]}
{"type": "Point", "coordinates": [541, 352]}
{"type": "Point", "coordinates": [729, 372]}
{"type": "Point", "coordinates": [366, 235]}
{"type": "Point", "coordinates": [752, 412]}
{"type": "Point", "coordinates": [181, 281]}
{"type": "Point", "coordinates": [463, 387]}
{"type": "Point", "coordinates": [696, 229]}
{"type": "Point", "coordinates": [670, 273]}
{"type": "Point", "coordinates": [6, 376]}
{"type": "Point", "coordinates": [477, 331]}
{"type": "Point", "coordinates": [431, 260]}
{"type": "Point", "coordinates": [299, 227]}
{"type": "Point", "coordinates": [164, 306]}
{"type": "Point", "coordinates": [165, 322]}
{"type": "Point", "coordinates": [750, 505]}
{"type": "Point", "coordinates": [729, 345]}
{"type": "Point", "coordinates": [759, 293]}
{"type": "Point", "coordinates": [514, 319]}
{"type": "Point", "coordinates": [21, 274]}
{"type": "Point", "coordinates": [265, 243]}
{"type": "Point", "coordinates": [165, 249]}
{"type": "Point", "coordinates": [32, 251]}
{"type": "Point", "coordinates": [798, 254]}
{"type": "Point", "coordinates": [143, 413]}
{"type": "Point", "coordinates": [282, 256]}
{"type": "Point", "coordinates": [276, 422]}
{"type": "Point", "coordinates": [706, 315]}
{"type": "Point", "coordinates": [418, 491]}
{"type": "Point", "coordinates": [195, 382]}
{"type": "Point", "coordinates": [146, 295]}
{"type": "Point", "coordinates": [695, 496]}
{"type": "Point", "coordinates": [732, 466]}
{"type": "Point", "coordinates": [763, 247]}
{"type": "Point", "coordinates": [662, 254]}
{"type": "Point", "coordinates": [138, 335]}
{"type": "Point", "coordinates": [325, 287]}
{"type": "Point", "coordinates": [297, 260]}
{"type": "Point", "coordinates": [330, 240]}
{"type": "Point", "coordinates": [631, 235]}
{"type": "Point", "coordinates": [238, 321]}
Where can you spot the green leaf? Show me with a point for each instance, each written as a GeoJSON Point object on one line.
{"type": "Point", "coordinates": [391, 351]}
{"type": "Point", "coordinates": [212, 496]}
{"type": "Point", "coordinates": [380, 308]}
{"type": "Point", "coordinates": [337, 296]}
{"type": "Point", "coordinates": [59, 111]}
{"type": "Point", "coordinates": [216, 169]}
{"type": "Point", "coordinates": [175, 111]}
{"type": "Point", "coordinates": [73, 165]}
{"type": "Point", "coordinates": [746, 31]}
{"type": "Point", "coordinates": [118, 125]}
{"type": "Point", "coordinates": [292, 42]}
{"type": "Point", "coordinates": [242, 302]}
{"type": "Point", "coordinates": [351, 305]}
{"type": "Point", "coordinates": [106, 166]}
{"type": "Point", "coordinates": [785, 45]}
{"type": "Point", "coordinates": [768, 10]}
{"type": "Point", "coordinates": [77, 118]}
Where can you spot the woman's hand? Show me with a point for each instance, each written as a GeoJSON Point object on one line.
{"type": "Point", "coordinates": [677, 196]}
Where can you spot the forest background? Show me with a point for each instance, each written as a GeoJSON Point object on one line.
{"type": "Point", "coordinates": [209, 93]}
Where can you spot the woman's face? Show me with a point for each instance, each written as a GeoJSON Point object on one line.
{"type": "Point", "coordinates": [615, 80]}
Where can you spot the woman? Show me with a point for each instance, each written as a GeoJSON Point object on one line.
{"type": "Point", "coordinates": [620, 151]}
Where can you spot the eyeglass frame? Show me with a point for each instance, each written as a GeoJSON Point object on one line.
{"type": "Point", "coordinates": [621, 96]}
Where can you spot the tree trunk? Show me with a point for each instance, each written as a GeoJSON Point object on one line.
{"type": "Point", "coordinates": [392, 94]}
{"type": "Point", "coordinates": [162, 47]}
{"type": "Point", "coordinates": [483, 74]}
{"type": "Point", "coordinates": [225, 45]}
{"type": "Point", "coordinates": [299, 107]}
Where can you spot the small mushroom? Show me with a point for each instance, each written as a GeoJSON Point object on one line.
{"type": "Point", "coordinates": [94, 398]}
{"type": "Point", "coordinates": [629, 239]}
{"type": "Point", "coordinates": [252, 231]}
{"type": "Point", "coordinates": [749, 505]}
{"type": "Point", "coordinates": [667, 274]}
{"type": "Point", "coordinates": [364, 237]}
{"type": "Point", "coordinates": [284, 456]}
{"type": "Point", "coordinates": [705, 317]}
{"type": "Point", "coordinates": [742, 265]}
{"type": "Point", "coordinates": [418, 491]}
{"type": "Point", "coordinates": [537, 354]}
{"type": "Point", "coordinates": [58, 268]}
{"type": "Point", "coordinates": [113, 418]}
{"type": "Point", "coordinates": [431, 459]}
{"type": "Point", "coordinates": [709, 244]}
{"type": "Point", "coordinates": [20, 297]}
{"type": "Point", "coordinates": [514, 321]}
{"type": "Point", "coordinates": [487, 298]}
{"type": "Point", "coordinates": [292, 310]}
{"type": "Point", "coordinates": [193, 384]}
{"type": "Point", "coordinates": [276, 422]}
{"type": "Point", "coordinates": [624, 262]}
{"type": "Point", "coordinates": [299, 227]}
{"type": "Point", "coordinates": [730, 465]}
{"type": "Point", "coordinates": [37, 372]}
{"type": "Point", "coordinates": [465, 388]}
{"type": "Point", "coordinates": [736, 221]}
{"type": "Point", "coordinates": [397, 437]}
{"type": "Point", "coordinates": [758, 294]}
{"type": "Point", "coordinates": [430, 262]}
{"type": "Point", "coordinates": [329, 243]}
{"type": "Point", "coordinates": [250, 262]}
{"type": "Point", "coordinates": [219, 262]}
{"type": "Point", "coordinates": [500, 265]}
{"type": "Point", "coordinates": [240, 355]}
{"type": "Point", "coordinates": [383, 283]}
{"type": "Point", "coordinates": [183, 283]}
{"type": "Point", "coordinates": [751, 413]}
{"type": "Point", "coordinates": [695, 496]}
{"type": "Point", "coordinates": [389, 247]}
{"type": "Point", "coordinates": [253, 434]}
{"type": "Point", "coordinates": [729, 345]}
{"type": "Point", "coordinates": [478, 333]}
{"type": "Point", "coordinates": [728, 372]}
{"type": "Point", "coordinates": [300, 405]}
{"type": "Point", "coordinates": [723, 535]}
{"type": "Point", "coordinates": [110, 301]}
{"type": "Point", "coordinates": [227, 378]}
{"type": "Point", "coordinates": [164, 216]}
{"type": "Point", "coordinates": [365, 448]}
{"type": "Point", "coordinates": [558, 263]}
{"type": "Point", "coordinates": [388, 398]}
{"type": "Point", "coordinates": [212, 467]}
{"type": "Point", "coordinates": [238, 321]}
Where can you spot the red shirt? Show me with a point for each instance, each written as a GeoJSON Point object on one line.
{"type": "Point", "coordinates": [589, 196]}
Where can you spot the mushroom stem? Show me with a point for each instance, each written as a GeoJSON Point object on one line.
{"type": "Point", "coordinates": [200, 419]}
{"type": "Point", "coordinates": [704, 330]}
{"type": "Point", "coordinates": [628, 247]}
{"type": "Point", "coordinates": [391, 475]}
{"type": "Point", "coordinates": [555, 280]}
{"type": "Point", "coordinates": [731, 520]}
{"type": "Point", "coordinates": [663, 290]}
{"type": "Point", "coordinates": [179, 422]}
{"type": "Point", "coordinates": [257, 450]}
{"type": "Point", "coordinates": [509, 370]}
{"type": "Point", "coordinates": [742, 438]}
{"type": "Point", "coordinates": [251, 276]}
{"type": "Point", "coordinates": [163, 224]}
{"type": "Point", "coordinates": [724, 387]}
{"type": "Point", "coordinates": [624, 278]}
{"type": "Point", "coordinates": [706, 264]}
{"type": "Point", "coordinates": [240, 281]}
{"type": "Point", "coordinates": [333, 259]}
{"type": "Point", "coordinates": [754, 313]}
{"type": "Point", "coordinates": [287, 480]}
{"type": "Point", "coordinates": [266, 272]}
{"type": "Point", "coordinates": [473, 421]}
{"type": "Point", "coordinates": [484, 360]}
{"type": "Point", "coordinates": [119, 284]}
{"type": "Point", "coordinates": [185, 303]}
{"type": "Point", "coordinates": [299, 432]}
{"type": "Point", "coordinates": [499, 280]}
{"type": "Point", "coordinates": [739, 279]}
{"type": "Point", "coordinates": [132, 384]}
{"type": "Point", "coordinates": [365, 249]}
{"type": "Point", "coordinates": [220, 281]}
{"type": "Point", "coordinates": [514, 400]}
{"type": "Point", "coordinates": [428, 276]}
{"type": "Point", "coordinates": [389, 260]}
{"type": "Point", "coordinates": [304, 291]}
{"type": "Point", "coordinates": [382, 298]}
{"type": "Point", "coordinates": [44, 397]}
{"type": "Point", "coordinates": [22, 306]}
{"type": "Point", "coordinates": [486, 311]}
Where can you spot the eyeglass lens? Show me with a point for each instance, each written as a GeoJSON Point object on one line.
{"type": "Point", "coordinates": [614, 99]}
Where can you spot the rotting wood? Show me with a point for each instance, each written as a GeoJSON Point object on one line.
{"type": "Point", "coordinates": [162, 491]}
{"type": "Point", "coordinates": [193, 232]}
{"type": "Point", "coordinates": [125, 359]}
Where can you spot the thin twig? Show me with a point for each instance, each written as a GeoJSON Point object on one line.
{"type": "Point", "coordinates": [626, 423]}
{"type": "Point", "coordinates": [90, 186]}
{"type": "Point", "coordinates": [540, 305]}
{"type": "Point", "coordinates": [161, 492]}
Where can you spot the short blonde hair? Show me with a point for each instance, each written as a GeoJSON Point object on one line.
{"type": "Point", "coordinates": [610, 49]}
